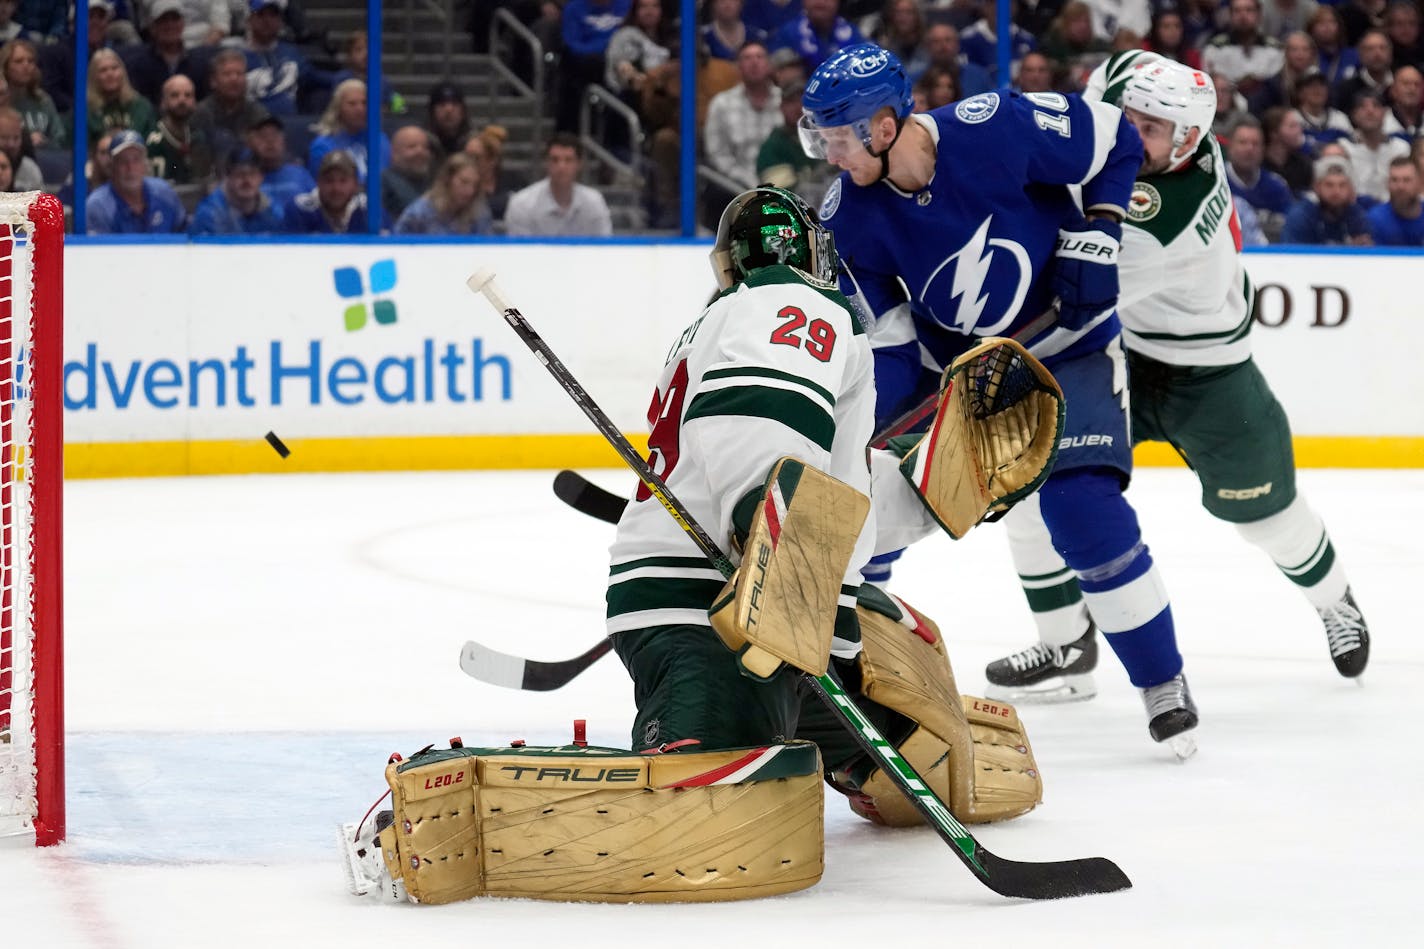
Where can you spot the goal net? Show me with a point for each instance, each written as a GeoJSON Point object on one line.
{"type": "Point", "coordinates": [31, 480]}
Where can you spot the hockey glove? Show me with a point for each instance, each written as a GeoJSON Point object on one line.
{"type": "Point", "coordinates": [1085, 272]}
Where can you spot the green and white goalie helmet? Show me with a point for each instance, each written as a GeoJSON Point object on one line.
{"type": "Point", "coordinates": [1166, 89]}
{"type": "Point", "coordinates": [767, 226]}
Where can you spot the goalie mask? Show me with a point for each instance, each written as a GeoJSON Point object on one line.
{"type": "Point", "coordinates": [844, 95]}
{"type": "Point", "coordinates": [1175, 93]}
{"type": "Point", "coordinates": [767, 226]}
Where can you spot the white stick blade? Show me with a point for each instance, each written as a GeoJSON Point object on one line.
{"type": "Point", "coordinates": [496, 668]}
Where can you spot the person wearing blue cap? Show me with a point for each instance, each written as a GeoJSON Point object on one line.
{"type": "Point", "coordinates": [133, 202]}
{"type": "Point", "coordinates": [239, 206]}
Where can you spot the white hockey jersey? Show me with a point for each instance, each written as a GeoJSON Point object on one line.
{"type": "Point", "coordinates": [775, 366]}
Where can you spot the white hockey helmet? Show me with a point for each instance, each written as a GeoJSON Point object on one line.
{"type": "Point", "coordinates": [1166, 89]}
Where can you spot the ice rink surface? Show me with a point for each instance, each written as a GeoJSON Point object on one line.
{"type": "Point", "coordinates": [245, 652]}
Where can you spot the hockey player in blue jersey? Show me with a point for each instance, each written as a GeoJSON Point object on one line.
{"type": "Point", "coordinates": [960, 223]}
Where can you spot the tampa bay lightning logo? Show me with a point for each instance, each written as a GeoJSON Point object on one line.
{"type": "Point", "coordinates": [832, 201]}
{"type": "Point", "coordinates": [973, 284]}
{"type": "Point", "coordinates": [868, 64]}
{"type": "Point", "coordinates": [978, 108]}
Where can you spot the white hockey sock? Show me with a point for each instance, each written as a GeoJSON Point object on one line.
{"type": "Point", "coordinates": [1050, 585]}
{"type": "Point", "coordinates": [1296, 540]}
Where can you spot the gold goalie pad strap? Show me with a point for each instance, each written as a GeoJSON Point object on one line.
{"type": "Point", "coordinates": [973, 754]}
{"type": "Point", "coordinates": [780, 605]}
{"type": "Point", "coordinates": [604, 824]}
{"type": "Point", "coordinates": [994, 437]}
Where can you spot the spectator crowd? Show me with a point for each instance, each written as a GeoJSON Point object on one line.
{"type": "Point", "coordinates": [231, 117]}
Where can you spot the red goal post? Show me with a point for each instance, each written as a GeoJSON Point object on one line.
{"type": "Point", "coordinates": [31, 516]}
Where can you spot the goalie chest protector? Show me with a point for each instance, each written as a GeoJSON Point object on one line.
{"type": "Point", "coordinates": [605, 824]}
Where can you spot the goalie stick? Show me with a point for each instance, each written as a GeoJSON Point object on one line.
{"type": "Point", "coordinates": [1013, 878]}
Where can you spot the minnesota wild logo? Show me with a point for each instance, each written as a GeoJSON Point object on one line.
{"type": "Point", "coordinates": [1144, 203]}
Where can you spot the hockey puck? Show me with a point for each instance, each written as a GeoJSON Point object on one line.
{"type": "Point", "coordinates": [277, 445]}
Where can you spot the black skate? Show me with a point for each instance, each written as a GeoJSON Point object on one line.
{"type": "Point", "coordinates": [1042, 674]}
{"type": "Point", "coordinates": [1348, 636]}
{"type": "Point", "coordinates": [1171, 715]}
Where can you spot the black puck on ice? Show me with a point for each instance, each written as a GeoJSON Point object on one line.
{"type": "Point", "coordinates": [277, 445]}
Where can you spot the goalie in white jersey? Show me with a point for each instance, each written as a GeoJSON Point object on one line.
{"type": "Point", "coordinates": [1186, 307]}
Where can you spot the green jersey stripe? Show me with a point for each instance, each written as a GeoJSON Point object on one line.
{"type": "Point", "coordinates": [641, 594]}
{"type": "Point", "coordinates": [795, 411]}
{"type": "Point", "coordinates": [764, 373]}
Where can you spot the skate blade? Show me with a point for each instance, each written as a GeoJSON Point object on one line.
{"type": "Point", "coordinates": [1183, 745]}
{"type": "Point", "coordinates": [1058, 691]}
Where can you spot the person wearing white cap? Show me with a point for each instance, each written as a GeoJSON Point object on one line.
{"type": "Point", "coordinates": [133, 202]}
{"type": "Point", "coordinates": [164, 55]}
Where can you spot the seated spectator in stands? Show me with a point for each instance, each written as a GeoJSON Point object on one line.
{"type": "Point", "coordinates": [343, 128]}
{"type": "Point", "coordinates": [942, 50]}
{"type": "Point", "coordinates": [113, 22]}
{"type": "Point", "coordinates": [1230, 107]}
{"type": "Point", "coordinates": [449, 122]}
{"type": "Point", "coordinates": [180, 151]}
{"type": "Point", "coordinates": [150, 64]}
{"type": "Point", "coordinates": [498, 182]}
{"type": "Point", "coordinates": [10, 28]}
{"type": "Point", "coordinates": [226, 113]}
{"type": "Point", "coordinates": [726, 31]}
{"type": "Point", "coordinates": [1336, 58]}
{"type": "Point", "coordinates": [768, 16]}
{"type": "Point", "coordinates": [19, 65]}
{"type": "Point", "coordinates": [48, 20]}
{"type": "Point", "coordinates": [1281, 18]}
{"type": "Point", "coordinates": [205, 22]}
{"type": "Point", "coordinates": [454, 205]}
{"type": "Point", "coordinates": [1321, 123]}
{"type": "Point", "coordinates": [355, 53]}
{"type": "Point", "coordinates": [936, 88]}
{"type": "Point", "coordinates": [1330, 214]}
{"type": "Point", "coordinates": [1375, 72]}
{"type": "Point", "coordinates": [1405, 117]}
{"type": "Point", "coordinates": [1117, 18]}
{"type": "Point", "coordinates": [1266, 191]}
{"type": "Point", "coordinates": [637, 49]}
{"type": "Point", "coordinates": [7, 170]}
{"type": "Point", "coordinates": [787, 69]}
{"type": "Point", "coordinates": [1071, 44]}
{"type": "Point", "coordinates": [282, 177]}
{"type": "Point", "coordinates": [112, 102]}
{"type": "Point", "coordinates": [133, 202]}
{"type": "Point", "coordinates": [1401, 25]}
{"type": "Point", "coordinates": [587, 27]}
{"type": "Point", "coordinates": [99, 168]}
{"type": "Point", "coordinates": [740, 119]}
{"type": "Point", "coordinates": [277, 71]}
{"type": "Point", "coordinates": [980, 43]}
{"type": "Point", "coordinates": [817, 32]}
{"type": "Point", "coordinates": [1285, 148]}
{"type": "Point", "coordinates": [337, 205]}
{"type": "Point", "coordinates": [900, 28]}
{"type": "Point", "coordinates": [1167, 36]}
{"type": "Point", "coordinates": [57, 55]}
{"type": "Point", "coordinates": [557, 205]}
{"type": "Point", "coordinates": [1251, 233]}
{"type": "Point", "coordinates": [28, 176]}
{"type": "Point", "coordinates": [1035, 73]}
{"type": "Point", "coordinates": [1370, 150]}
{"type": "Point", "coordinates": [239, 206]}
{"type": "Point", "coordinates": [1299, 59]}
{"type": "Point", "coordinates": [1399, 222]}
{"type": "Point", "coordinates": [1242, 52]}
{"type": "Point", "coordinates": [409, 175]}
{"type": "Point", "coordinates": [783, 163]}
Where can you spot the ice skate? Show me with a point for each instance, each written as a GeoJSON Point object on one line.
{"type": "Point", "coordinates": [1348, 636]}
{"type": "Point", "coordinates": [361, 859]}
{"type": "Point", "coordinates": [1172, 715]}
{"type": "Point", "coordinates": [1043, 674]}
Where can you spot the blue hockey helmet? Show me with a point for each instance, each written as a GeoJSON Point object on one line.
{"type": "Point", "coordinates": [848, 89]}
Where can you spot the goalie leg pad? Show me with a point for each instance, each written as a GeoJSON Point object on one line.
{"type": "Point", "coordinates": [780, 605]}
{"type": "Point", "coordinates": [972, 753]}
{"type": "Point", "coordinates": [994, 436]}
{"type": "Point", "coordinates": [607, 825]}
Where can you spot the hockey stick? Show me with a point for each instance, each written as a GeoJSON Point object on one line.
{"type": "Point", "coordinates": [588, 498]}
{"type": "Point", "coordinates": [530, 675]}
{"type": "Point", "coordinates": [1052, 880]}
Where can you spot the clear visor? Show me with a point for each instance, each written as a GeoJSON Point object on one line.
{"type": "Point", "coordinates": [834, 143]}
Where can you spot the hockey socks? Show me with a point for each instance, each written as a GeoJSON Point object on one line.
{"type": "Point", "coordinates": [1296, 540]}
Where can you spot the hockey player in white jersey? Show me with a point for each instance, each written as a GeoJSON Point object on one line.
{"type": "Point", "coordinates": [1186, 308]}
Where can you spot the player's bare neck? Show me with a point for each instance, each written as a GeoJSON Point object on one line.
{"type": "Point", "coordinates": [912, 160]}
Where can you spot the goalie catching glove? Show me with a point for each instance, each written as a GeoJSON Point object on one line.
{"type": "Point", "coordinates": [993, 439]}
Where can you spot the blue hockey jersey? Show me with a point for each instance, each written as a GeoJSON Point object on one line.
{"type": "Point", "coordinates": [975, 247]}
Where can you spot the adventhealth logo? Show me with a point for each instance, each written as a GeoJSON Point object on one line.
{"type": "Point", "coordinates": [349, 287]}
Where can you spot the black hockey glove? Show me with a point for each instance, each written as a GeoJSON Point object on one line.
{"type": "Point", "coordinates": [1085, 270]}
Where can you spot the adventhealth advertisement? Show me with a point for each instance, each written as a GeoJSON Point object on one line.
{"type": "Point", "coordinates": [226, 342]}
